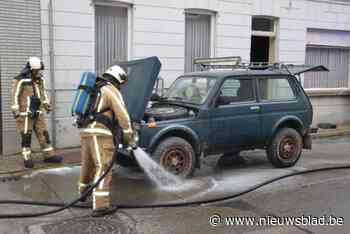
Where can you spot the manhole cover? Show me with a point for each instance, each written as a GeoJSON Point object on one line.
{"type": "Point", "coordinates": [88, 225]}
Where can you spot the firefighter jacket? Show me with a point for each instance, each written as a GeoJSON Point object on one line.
{"type": "Point", "coordinates": [111, 104]}
{"type": "Point", "coordinates": [23, 88]}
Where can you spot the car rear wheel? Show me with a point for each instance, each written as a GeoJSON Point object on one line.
{"type": "Point", "coordinates": [177, 156]}
{"type": "Point", "coordinates": [285, 148]}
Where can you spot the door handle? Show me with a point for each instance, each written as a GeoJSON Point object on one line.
{"type": "Point", "coordinates": [255, 108]}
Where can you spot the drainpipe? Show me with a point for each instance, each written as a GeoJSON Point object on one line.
{"type": "Point", "coordinates": [52, 73]}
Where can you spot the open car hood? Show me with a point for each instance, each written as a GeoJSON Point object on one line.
{"type": "Point", "coordinates": [299, 69]}
{"type": "Point", "coordinates": [142, 75]}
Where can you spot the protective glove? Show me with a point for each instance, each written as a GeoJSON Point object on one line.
{"type": "Point", "coordinates": [48, 107]}
{"type": "Point", "coordinates": [15, 111]}
{"type": "Point", "coordinates": [133, 143]}
{"type": "Point", "coordinates": [16, 114]}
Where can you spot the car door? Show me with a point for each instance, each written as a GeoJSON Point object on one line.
{"type": "Point", "coordinates": [277, 99]}
{"type": "Point", "coordinates": [234, 116]}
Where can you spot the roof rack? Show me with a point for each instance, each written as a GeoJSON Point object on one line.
{"type": "Point", "coordinates": [235, 62]}
{"type": "Point", "coordinates": [218, 62]}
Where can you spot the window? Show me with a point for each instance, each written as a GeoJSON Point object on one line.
{"type": "Point", "coordinates": [237, 90]}
{"type": "Point", "coordinates": [111, 36]}
{"type": "Point", "coordinates": [275, 89]}
{"type": "Point", "coordinates": [197, 39]}
{"type": "Point", "coordinates": [263, 24]}
{"type": "Point", "coordinates": [335, 59]}
{"type": "Point", "coordinates": [191, 89]}
{"type": "Point", "coordinates": [263, 40]}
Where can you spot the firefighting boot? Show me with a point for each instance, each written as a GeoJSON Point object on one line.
{"type": "Point", "coordinates": [28, 163]}
{"type": "Point", "coordinates": [54, 159]}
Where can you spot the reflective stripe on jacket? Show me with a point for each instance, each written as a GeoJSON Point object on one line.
{"type": "Point", "coordinates": [110, 98]}
{"type": "Point", "coordinates": [23, 87]}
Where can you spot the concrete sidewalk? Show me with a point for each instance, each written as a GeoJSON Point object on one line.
{"type": "Point", "coordinates": [11, 166]}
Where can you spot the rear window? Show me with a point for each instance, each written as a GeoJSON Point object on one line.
{"type": "Point", "coordinates": [275, 89]}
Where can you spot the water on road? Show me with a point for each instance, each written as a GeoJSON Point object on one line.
{"type": "Point", "coordinates": [159, 176]}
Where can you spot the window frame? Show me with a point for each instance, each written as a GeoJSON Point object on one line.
{"type": "Point", "coordinates": [254, 86]}
{"type": "Point", "coordinates": [213, 31]}
{"type": "Point", "coordinates": [207, 97]}
{"type": "Point", "coordinates": [347, 87]}
{"type": "Point", "coordinates": [272, 35]}
{"type": "Point", "coordinates": [130, 23]}
{"type": "Point", "coordinates": [289, 80]}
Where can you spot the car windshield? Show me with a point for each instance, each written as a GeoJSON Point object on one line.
{"type": "Point", "coordinates": [191, 89]}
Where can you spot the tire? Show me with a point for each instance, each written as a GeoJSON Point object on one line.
{"type": "Point", "coordinates": [177, 156]}
{"type": "Point", "coordinates": [285, 148]}
{"type": "Point", "coordinates": [160, 113]}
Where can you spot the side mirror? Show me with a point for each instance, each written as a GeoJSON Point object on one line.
{"type": "Point", "coordinates": [155, 97]}
{"type": "Point", "coordinates": [222, 100]}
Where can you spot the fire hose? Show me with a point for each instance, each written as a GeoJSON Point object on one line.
{"type": "Point", "coordinates": [74, 204]}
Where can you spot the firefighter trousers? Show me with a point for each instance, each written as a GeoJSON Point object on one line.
{"type": "Point", "coordinates": [25, 125]}
{"type": "Point", "coordinates": [96, 155]}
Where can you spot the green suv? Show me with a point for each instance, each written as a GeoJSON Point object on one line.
{"type": "Point", "coordinates": [220, 111]}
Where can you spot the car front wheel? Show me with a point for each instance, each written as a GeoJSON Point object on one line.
{"type": "Point", "coordinates": [176, 155]}
{"type": "Point", "coordinates": [285, 148]}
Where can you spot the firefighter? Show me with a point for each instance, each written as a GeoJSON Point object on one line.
{"type": "Point", "coordinates": [29, 101]}
{"type": "Point", "coordinates": [100, 138]}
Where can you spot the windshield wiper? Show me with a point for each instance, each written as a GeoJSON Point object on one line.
{"type": "Point", "coordinates": [177, 98]}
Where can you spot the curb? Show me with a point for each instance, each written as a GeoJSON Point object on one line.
{"type": "Point", "coordinates": [335, 133]}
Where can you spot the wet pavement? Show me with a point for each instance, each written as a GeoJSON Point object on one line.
{"type": "Point", "coordinates": [314, 194]}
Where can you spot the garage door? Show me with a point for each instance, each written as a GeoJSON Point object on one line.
{"type": "Point", "coordinates": [111, 34]}
{"type": "Point", "coordinates": [335, 59]}
{"type": "Point", "coordinates": [20, 37]}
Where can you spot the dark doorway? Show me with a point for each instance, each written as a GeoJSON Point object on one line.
{"type": "Point", "coordinates": [259, 51]}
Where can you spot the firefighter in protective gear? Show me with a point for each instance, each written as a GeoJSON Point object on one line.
{"type": "Point", "coordinates": [29, 101]}
{"type": "Point", "coordinates": [98, 141]}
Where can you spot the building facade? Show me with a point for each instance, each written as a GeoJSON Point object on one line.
{"type": "Point", "coordinates": [75, 36]}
